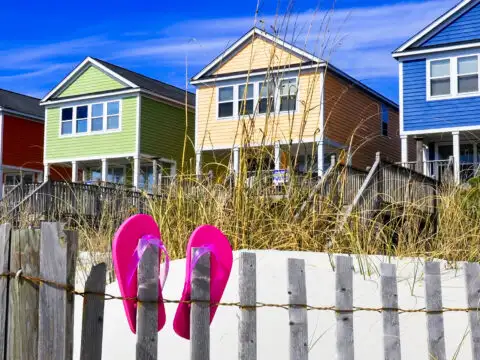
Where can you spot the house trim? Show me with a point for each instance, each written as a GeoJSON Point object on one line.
{"type": "Point", "coordinates": [441, 130]}
{"type": "Point", "coordinates": [79, 70]}
{"type": "Point", "coordinates": [22, 114]}
{"type": "Point", "coordinates": [400, 95]}
{"type": "Point", "coordinates": [450, 15]}
{"type": "Point", "coordinates": [418, 53]}
{"type": "Point", "coordinates": [238, 43]}
{"type": "Point", "coordinates": [138, 125]}
{"type": "Point", "coordinates": [281, 142]}
{"type": "Point", "coordinates": [88, 158]}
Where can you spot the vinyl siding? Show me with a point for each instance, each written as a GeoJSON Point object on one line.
{"type": "Point", "coordinates": [77, 147]}
{"type": "Point", "coordinates": [213, 132]}
{"type": "Point", "coordinates": [259, 54]}
{"type": "Point", "coordinates": [163, 130]}
{"type": "Point", "coordinates": [23, 143]}
{"type": "Point", "coordinates": [353, 116]}
{"type": "Point", "coordinates": [465, 28]}
{"type": "Point", "coordinates": [420, 114]}
{"type": "Point", "coordinates": [90, 81]}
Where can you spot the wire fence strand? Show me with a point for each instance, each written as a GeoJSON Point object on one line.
{"type": "Point", "coordinates": [71, 290]}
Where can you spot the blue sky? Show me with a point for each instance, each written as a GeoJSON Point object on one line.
{"type": "Point", "coordinates": [43, 41]}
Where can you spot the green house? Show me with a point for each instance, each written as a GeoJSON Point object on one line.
{"type": "Point", "coordinates": [106, 123]}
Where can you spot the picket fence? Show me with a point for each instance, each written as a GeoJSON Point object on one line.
{"type": "Point", "coordinates": [36, 303]}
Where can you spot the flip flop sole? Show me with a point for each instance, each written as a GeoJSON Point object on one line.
{"type": "Point", "coordinates": [124, 245]}
{"type": "Point", "coordinates": [221, 259]}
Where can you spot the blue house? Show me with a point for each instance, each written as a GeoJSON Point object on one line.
{"type": "Point", "coordinates": [440, 93]}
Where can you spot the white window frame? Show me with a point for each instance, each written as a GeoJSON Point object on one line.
{"type": "Point", "coordinates": [454, 94]}
{"type": "Point", "coordinates": [124, 170]}
{"type": "Point", "coordinates": [241, 99]}
{"type": "Point", "coordinates": [469, 74]}
{"type": "Point", "coordinates": [233, 101]}
{"type": "Point", "coordinates": [256, 98]}
{"type": "Point", "coordinates": [278, 96]}
{"type": "Point", "coordinates": [89, 131]}
{"type": "Point", "coordinates": [258, 87]}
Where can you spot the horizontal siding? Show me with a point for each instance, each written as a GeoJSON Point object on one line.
{"type": "Point", "coordinates": [22, 143]}
{"type": "Point", "coordinates": [353, 117]}
{"type": "Point", "coordinates": [420, 114]}
{"type": "Point", "coordinates": [120, 142]}
{"type": "Point", "coordinates": [465, 28]}
{"type": "Point", "coordinates": [163, 130]}
{"type": "Point", "coordinates": [259, 54]}
{"type": "Point", "coordinates": [91, 81]}
{"type": "Point", "coordinates": [304, 124]}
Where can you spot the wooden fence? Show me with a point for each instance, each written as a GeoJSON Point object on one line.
{"type": "Point", "coordinates": [36, 303]}
{"type": "Point", "coordinates": [61, 200]}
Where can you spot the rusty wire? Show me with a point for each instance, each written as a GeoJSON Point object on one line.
{"type": "Point", "coordinates": [71, 290]}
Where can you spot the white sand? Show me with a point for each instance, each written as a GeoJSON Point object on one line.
{"type": "Point", "coordinates": [273, 336]}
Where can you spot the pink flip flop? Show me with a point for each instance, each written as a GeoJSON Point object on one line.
{"type": "Point", "coordinates": [221, 258]}
{"type": "Point", "coordinates": [130, 241]}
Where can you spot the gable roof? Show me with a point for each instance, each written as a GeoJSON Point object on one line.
{"type": "Point", "coordinates": [219, 60]}
{"type": "Point", "coordinates": [148, 83]}
{"type": "Point", "coordinates": [310, 60]}
{"type": "Point", "coordinates": [437, 25]}
{"type": "Point", "coordinates": [130, 79]}
{"type": "Point", "coordinates": [21, 104]}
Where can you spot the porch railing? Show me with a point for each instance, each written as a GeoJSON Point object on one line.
{"type": "Point", "coordinates": [442, 170]}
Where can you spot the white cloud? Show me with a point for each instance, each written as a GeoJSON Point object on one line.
{"type": "Point", "coordinates": [357, 40]}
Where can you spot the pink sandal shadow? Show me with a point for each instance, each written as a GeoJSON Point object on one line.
{"type": "Point", "coordinates": [221, 259]}
{"type": "Point", "coordinates": [130, 241]}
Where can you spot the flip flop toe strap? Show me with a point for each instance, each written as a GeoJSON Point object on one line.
{"type": "Point", "coordinates": [143, 244]}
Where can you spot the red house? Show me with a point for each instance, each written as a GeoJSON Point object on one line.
{"type": "Point", "coordinates": [21, 139]}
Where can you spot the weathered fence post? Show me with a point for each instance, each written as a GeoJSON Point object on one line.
{"type": "Point", "coordinates": [391, 322]}
{"type": "Point", "coordinates": [58, 250]}
{"type": "Point", "coordinates": [297, 298]}
{"type": "Point", "coordinates": [23, 296]}
{"type": "Point", "coordinates": [93, 311]}
{"type": "Point", "coordinates": [4, 281]}
{"type": "Point", "coordinates": [200, 308]}
{"type": "Point", "coordinates": [472, 286]}
{"type": "Point", "coordinates": [247, 332]}
{"type": "Point", "coordinates": [344, 305]}
{"type": "Point", "coordinates": [434, 307]}
{"type": "Point", "coordinates": [147, 307]}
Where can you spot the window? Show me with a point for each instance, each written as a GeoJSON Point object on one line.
{"type": "Point", "coordinates": [467, 72]}
{"type": "Point", "coordinates": [116, 175]}
{"type": "Point", "coordinates": [225, 102]}
{"type": "Point", "coordinates": [67, 120]}
{"type": "Point", "coordinates": [266, 93]}
{"type": "Point", "coordinates": [245, 99]}
{"type": "Point", "coordinates": [288, 95]}
{"type": "Point", "coordinates": [97, 117]}
{"type": "Point", "coordinates": [113, 115]}
{"type": "Point", "coordinates": [82, 119]}
{"type": "Point", "coordinates": [92, 118]}
{"type": "Point", "coordinates": [440, 77]}
{"type": "Point", "coordinates": [384, 113]}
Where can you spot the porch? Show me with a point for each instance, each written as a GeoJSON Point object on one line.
{"type": "Point", "coordinates": [447, 156]}
{"type": "Point", "coordinates": [140, 173]}
{"type": "Point", "coordinates": [274, 164]}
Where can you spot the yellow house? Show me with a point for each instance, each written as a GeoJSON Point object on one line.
{"type": "Point", "coordinates": [265, 92]}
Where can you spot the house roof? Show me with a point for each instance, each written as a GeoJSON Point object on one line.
{"type": "Point", "coordinates": [309, 60]}
{"type": "Point", "coordinates": [19, 103]}
{"type": "Point", "coordinates": [256, 32]}
{"type": "Point", "coordinates": [131, 80]}
{"type": "Point", "coordinates": [437, 24]}
{"type": "Point", "coordinates": [148, 83]}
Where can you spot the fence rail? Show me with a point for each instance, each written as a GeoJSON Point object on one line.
{"type": "Point", "coordinates": [36, 303]}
